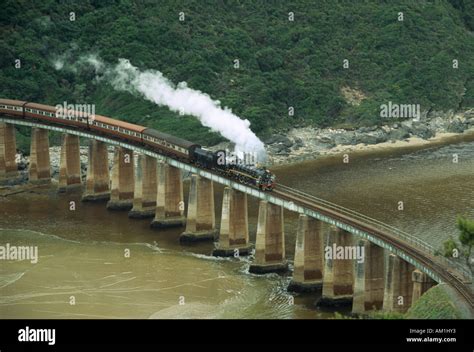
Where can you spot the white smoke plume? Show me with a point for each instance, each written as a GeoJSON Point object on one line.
{"type": "Point", "coordinates": [153, 86]}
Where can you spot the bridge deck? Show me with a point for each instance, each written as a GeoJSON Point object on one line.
{"type": "Point", "coordinates": [413, 250]}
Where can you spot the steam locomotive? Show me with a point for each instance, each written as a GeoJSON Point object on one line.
{"type": "Point", "coordinates": [163, 143]}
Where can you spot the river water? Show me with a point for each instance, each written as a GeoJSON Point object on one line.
{"type": "Point", "coordinates": [84, 270]}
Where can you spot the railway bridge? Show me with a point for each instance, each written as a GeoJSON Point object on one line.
{"type": "Point", "coordinates": [397, 268]}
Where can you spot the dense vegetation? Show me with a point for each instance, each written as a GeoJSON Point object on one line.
{"type": "Point", "coordinates": [436, 303]}
{"type": "Point", "coordinates": [451, 248]}
{"type": "Point", "coordinates": [439, 302]}
{"type": "Point", "coordinates": [282, 63]}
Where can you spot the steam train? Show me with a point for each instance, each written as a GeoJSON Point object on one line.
{"type": "Point", "coordinates": [149, 138]}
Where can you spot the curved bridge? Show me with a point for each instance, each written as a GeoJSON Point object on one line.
{"type": "Point", "coordinates": [404, 248]}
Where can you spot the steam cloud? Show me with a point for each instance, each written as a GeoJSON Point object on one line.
{"type": "Point", "coordinates": [153, 86]}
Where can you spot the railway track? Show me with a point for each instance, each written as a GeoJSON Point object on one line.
{"type": "Point", "coordinates": [415, 248]}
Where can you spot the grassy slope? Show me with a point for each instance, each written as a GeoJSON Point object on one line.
{"type": "Point", "coordinates": [439, 302]}
{"type": "Point", "coordinates": [282, 63]}
{"type": "Point", "coordinates": [436, 303]}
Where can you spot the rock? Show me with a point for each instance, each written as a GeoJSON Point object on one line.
{"type": "Point", "coordinates": [277, 147]}
{"type": "Point", "coordinates": [299, 142]}
{"type": "Point", "coordinates": [456, 126]}
{"type": "Point", "coordinates": [367, 129]}
{"type": "Point", "coordinates": [23, 161]}
{"type": "Point", "coordinates": [398, 134]}
{"type": "Point", "coordinates": [345, 138]}
{"type": "Point", "coordinates": [439, 114]}
{"type": "Point", "coordinates": [367, 139]}
{"type": "Point", "coordinates": [438, 124]}
{"type": "Point", "coordinates": [469, 114]}
{"type": "Point", "coordinates": [325, 139]}
{"type": "Point", "coordinates": [323, 142]}
{"type": "Point", "coordinates": [381, 136]}
{"type": "Point", "coordinates": [269, 140]}
{"type": "Point", "coordinates": [421, 130]}
{"type": "Point", "coordinates": [278, 139]}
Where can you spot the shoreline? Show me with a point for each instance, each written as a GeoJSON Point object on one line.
{"type": "Point", "coordinates": [410, 144]}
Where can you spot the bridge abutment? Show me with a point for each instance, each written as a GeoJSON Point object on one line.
{"type": "Point", "coordinates": [309, 260]}
{"type": "Point", "coordinates": [123, 180]}
{"type": "Point", "coordinates": [144, 195]}
{"type": "Point", "coordinates": [421, 284]}
{"type": "Point", "coordinates": [270, 242]}
{"type": "Point", "coordinates": [234, 233]}
{"type": "Point", "coordinates": [398, 289]}
{"type": "Point", "coordinates": [338, 272]}
{"type": "Point", "coordinates": [98, 177]}
{"type": "Point", "coordinates": [8, 165]}
{"type": "Point", "coordinates": [40, 168]}
{"type": "Point", "coordinates": [70, 164]}
{"type": "Point", "coordinates": [369, 279]}
{"type": "Point", "coordinates": [169, 202]}
{"type": "Point", "coordinates": [201, 218]}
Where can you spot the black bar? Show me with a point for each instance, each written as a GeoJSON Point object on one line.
{"type": "Point", "coordinates": [330, 332]}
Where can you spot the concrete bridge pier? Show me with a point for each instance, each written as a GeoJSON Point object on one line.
{"type": "Point", "coordinates": [8, 166]}
{"type": "Point", "coordinates": [40, 168]}
{"type": "Point", "coordinates": [201, 219]}
{"type": "Point", "coordinates": [338, 272]}
{"type": "Point", "coordinates": [421, 284]}
{"type": "Point", "coordinates": [398, 290]}
{"type": "Point", "coordinates": [70, 164]}
{"type": "Point", "coordinates": [309, 259]}
{"type": "Point", "coordinates": [144, 201]}
{"type": "Point", "coordinates": [234, 231]}
{"type": "Point", "coordinates": [123, 180]}
{"type": "Point", "coordinates": [169, 202]}
{"type": "Point", "coordinates": [369, 279]}
{"type": "Point", "coordinates": [270, 242]}
{"type": "Point", "coordinates": [98, 178]}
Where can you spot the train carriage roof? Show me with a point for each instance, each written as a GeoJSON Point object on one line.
{"type": "Point", "coordinates": [12, 102]}
{"type": "Point", "coordinates": [43, 107]}
{"type": "Point", "coordinates": [171, 139]}
{"type": "Point", "coordinates": [119, 123]}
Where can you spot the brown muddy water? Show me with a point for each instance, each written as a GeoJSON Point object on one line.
{"type": "Point", "coordinates": [82, 253]}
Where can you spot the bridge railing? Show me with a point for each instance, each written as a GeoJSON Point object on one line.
{"type": "Point", "coordinates": [396, 232]}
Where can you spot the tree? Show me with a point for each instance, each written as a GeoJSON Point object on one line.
{"type": "Point", "coordinates": [466, 239]}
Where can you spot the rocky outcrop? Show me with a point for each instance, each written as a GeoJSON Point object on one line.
{"type": "Point", "coordinates": [307, 142]}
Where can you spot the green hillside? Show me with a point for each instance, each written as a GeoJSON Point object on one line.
{"type": "Point", "coordinates": [283, 63]}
